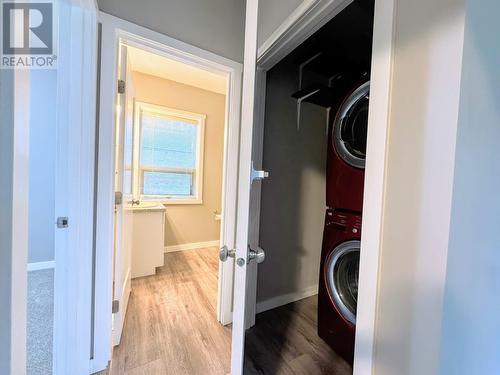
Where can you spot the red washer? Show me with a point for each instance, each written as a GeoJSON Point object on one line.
{"type": "Point", "coordinates": [347, 150]}
{"type": "Point", "coordinates": [338, 283]}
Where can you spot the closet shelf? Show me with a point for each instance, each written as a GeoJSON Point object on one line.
{"type": "Point", "coordinates": [344, 59]}
{"type": "Point", "coordinates": [317, 94]}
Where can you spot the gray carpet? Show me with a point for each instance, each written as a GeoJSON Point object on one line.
{"type": "Point", "coordinates": [40, 322]}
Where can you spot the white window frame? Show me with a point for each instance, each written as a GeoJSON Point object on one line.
{"type": "Point", "coordinates": [163, 111]}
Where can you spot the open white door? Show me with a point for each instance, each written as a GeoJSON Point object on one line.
{"type": "Point", "coordinates": [124, 218]}
{"type": "Point", "coordinates": [246, 258]}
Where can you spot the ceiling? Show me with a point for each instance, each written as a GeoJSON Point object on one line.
{"type": "Point", "coordinates": [162, 67]}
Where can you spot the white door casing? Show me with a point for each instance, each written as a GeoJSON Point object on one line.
{"type": "Point", "coordinates": [114, 32]}
{"type": "Point", "coordinates": [124, 216]}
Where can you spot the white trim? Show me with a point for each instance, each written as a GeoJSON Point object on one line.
{"type": "Point", "coordinates": [309, 17]}
{"type": "Point", "coordinates": [6, 156]}
{"type": "Point", "coordinates": [20, 215]}
{"type": "Point", "coordinates": [172, 112]}
{"type": "Point", "coordinates": [199, 119]}
{"type": "Point", "coordinates": [37, 266]}
{"type": "Point", "coordinates": [114, 31]}
{"type": "Point", "coordinates": [120, 315]}
{"type": "Point", "coordinates": [374, 191]}
{"type": "Point", "coordinates": [229, 195]}
{"type": "Point", "coordinates": [14, 159]}
{"type": "Point", "coordinates": [191, 246]}
{"type": "Point", "coordinates": [285, 299]}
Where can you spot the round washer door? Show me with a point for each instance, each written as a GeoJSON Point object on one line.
{"type": "Point", "coordinates": [351, 125]}
{"type": "Point", "coordinates": [342, 275]}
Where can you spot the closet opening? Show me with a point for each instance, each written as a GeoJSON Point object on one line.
{"type": "Point", "coordinates": [314, 148]}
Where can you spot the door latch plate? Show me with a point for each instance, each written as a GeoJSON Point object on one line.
{"type": "Point", "coordinates": [256, 175]}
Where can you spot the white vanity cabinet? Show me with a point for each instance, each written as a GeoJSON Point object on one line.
{"type": "Point", "coordinates": [148, 239]}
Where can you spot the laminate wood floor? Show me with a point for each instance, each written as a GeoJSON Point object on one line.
{"type": "Point", "coordinates": [171, 328]}
{"type": "Point", "coordinates": [285, 341]}
{"type": "Point", "coordinates": [171, 325]}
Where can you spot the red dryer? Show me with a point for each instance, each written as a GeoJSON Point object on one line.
{"type": "Point", "coordinates": [347, 150]}
{"type": "Point", "coordinates": [338, 284]}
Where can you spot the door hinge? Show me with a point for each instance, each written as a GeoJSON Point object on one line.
{"type": "Point", "coordinates": [115, 306]}
{"type": "Point", "coordinates": [118, 198]}
{"type": "Point", "coordinates": [62, 222]}
{"type": "Point", "coordinates": [121, 86]}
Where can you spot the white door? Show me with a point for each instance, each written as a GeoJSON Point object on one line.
{"type": "Point", "coordinates": [246, 258]}
{"type": "Point", "coordinates": [124, 217]}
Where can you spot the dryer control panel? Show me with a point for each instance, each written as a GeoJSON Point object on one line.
{"type": "Point", "coordinates": [346, 221]}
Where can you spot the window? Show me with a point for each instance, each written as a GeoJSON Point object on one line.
{"type": "Point", "coordinates": [169, 154]}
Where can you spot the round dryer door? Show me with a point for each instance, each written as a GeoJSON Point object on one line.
{"type": "Point", "coordinates": [351, 125]}
{"type": "Point", "coordinates": [342, 274]}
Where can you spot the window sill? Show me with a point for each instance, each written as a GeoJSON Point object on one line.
{"type": "Point", "coordinates": [172, 202]}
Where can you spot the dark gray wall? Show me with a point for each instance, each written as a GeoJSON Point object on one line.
{"type": "Point", "coordinates": [293, 197]}
{"type": "Point", "coordinates": [215, 25]}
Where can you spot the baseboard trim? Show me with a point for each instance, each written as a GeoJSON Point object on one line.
{"type": "Point", "coordinates": [284, 299]}
{"type": "Point", "coordinates": [191, 246]}
{"type": "Point", "coordinates": [36, 266]}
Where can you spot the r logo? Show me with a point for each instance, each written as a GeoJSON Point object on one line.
{"type": "Point", "coordinates": [27, 29]}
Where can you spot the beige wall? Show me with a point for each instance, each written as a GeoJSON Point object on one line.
{"type": "Point", "coordinates": [192, 223]}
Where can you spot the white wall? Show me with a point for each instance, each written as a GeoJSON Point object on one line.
{"type": "Point", "coordinates": [42, 165]}
{"type": "Point", "coordinates": [214, 25]}
{"type": "Point", "coordinates": [471, 321]}
{"type": "Point", "coordinates": [423, 117]}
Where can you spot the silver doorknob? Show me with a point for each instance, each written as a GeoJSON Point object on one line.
{"type": "Point", "coordinates": [225, 253]}
{"type": "Point", "coordinates": [259, 255]}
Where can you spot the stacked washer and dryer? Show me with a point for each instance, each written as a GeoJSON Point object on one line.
{"type": "Point", "coordinates": [339, 269]}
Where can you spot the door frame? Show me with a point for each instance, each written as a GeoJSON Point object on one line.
{"type": "Point", "coordinates": [308, 17]}
{"type": "Point", "coordinates": [114, 31]}
{"type": "Point", "coordinates": [14, 161]}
